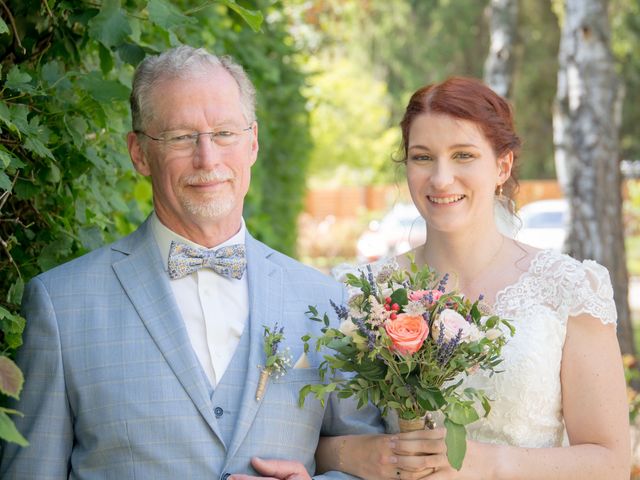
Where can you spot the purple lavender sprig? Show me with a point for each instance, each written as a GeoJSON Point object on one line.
{"type": "Point", "coordinates": [446, 349]}
{"type": "Point", "coordinates": [341, 311]}
{"type": "Point", "coordinates": [443, 283]}
{"type": "Point", "coordinates": [364, 329]}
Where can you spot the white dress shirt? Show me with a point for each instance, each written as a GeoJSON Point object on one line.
{"type": "Point", "coordinates": [215, 309]}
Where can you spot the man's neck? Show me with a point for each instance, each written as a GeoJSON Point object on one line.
{"type": "Point", "coordinates": [206, 233]}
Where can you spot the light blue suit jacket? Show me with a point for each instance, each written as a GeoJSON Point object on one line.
{"type": "Point", "coordinates": [114, 389]}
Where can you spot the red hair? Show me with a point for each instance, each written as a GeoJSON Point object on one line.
{"type": "Point", "coordinates": [468, 99]}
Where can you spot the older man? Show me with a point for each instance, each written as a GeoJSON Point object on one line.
{"type": "Point", "coordinates": [141, 358]}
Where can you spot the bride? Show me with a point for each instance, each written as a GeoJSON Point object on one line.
{"type": "Point", "coordinates": [562, 369]}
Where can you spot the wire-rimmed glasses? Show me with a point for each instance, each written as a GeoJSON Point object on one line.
{"type": "Point", "coordinates": [188, 141]}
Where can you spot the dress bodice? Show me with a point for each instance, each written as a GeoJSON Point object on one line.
{"type": "Point", "coordinates": [527, 399]}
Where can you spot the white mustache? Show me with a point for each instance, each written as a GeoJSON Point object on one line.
{"type": "Point", "coordinates": [206, 177]}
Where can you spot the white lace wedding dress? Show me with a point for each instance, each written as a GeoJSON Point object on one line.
{"type": "Point", "coordinates": [526, 407]}
{"type": "Point", "coordinates": [527, 399]}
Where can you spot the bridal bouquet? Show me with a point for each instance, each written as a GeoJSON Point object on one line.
{"type": "Point", "coordinates": [406, 345]}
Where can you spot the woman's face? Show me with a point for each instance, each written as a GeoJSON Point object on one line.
{"type": "Point", "coordinates": [452, 172]}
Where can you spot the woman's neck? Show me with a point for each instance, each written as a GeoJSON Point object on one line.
{"type": "Point", "coordinates": [467, 256]}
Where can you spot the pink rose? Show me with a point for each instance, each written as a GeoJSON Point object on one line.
{"type": "Point", "coordinates": [407, 332]}
{"type": "Point", "coordinates": [452, 322]}
{"type": "Point", "coordinates": [420, 294]}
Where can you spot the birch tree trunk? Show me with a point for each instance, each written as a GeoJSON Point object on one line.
{"type": "Point", "coordinates": [498, 67]}
{"type": "Point", "coordinates": [586, 123]}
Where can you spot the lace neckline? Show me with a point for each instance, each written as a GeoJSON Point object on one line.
{"type": "Point", "coordinates": [502, 293]}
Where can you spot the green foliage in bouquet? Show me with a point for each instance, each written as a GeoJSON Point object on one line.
{"type": "Point", "coordinates": [406, 344]}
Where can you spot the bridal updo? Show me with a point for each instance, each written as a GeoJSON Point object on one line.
{"type": "Point", "coordinates": [469, 99]}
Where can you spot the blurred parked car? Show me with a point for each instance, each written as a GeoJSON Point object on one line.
{"type": "Point", "coordinates": [544, 223]}
{"type": "Point", "coordinates": [400, 230]}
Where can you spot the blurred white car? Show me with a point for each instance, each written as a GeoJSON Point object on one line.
{"type": "Point", "coordinates": [400, 230]}
{"type": "Point", "coordinates": [544, 223]}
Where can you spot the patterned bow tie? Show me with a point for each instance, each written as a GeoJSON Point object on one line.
{"type": "Point", "coordinates": [227, 261]}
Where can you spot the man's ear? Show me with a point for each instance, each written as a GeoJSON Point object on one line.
{"type": "Point", "coordinates": [254, 143]}
{"type": "Point", "coordinates": [138, 157]}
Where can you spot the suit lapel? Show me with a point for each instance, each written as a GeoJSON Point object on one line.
{"type": "Point", "coordinates": [265, 298]}
{"type": "Point", "coordinates": [142, 276]}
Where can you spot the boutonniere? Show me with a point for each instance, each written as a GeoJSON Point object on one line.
{"type": "Point", "coordinates": [276, 360]}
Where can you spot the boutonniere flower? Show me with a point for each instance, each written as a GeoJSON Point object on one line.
{"type": "Point", "coordinates": [276, 360]}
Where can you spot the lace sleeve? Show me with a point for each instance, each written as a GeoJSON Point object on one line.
{"type": "Point", "coordinates": [593, 294]}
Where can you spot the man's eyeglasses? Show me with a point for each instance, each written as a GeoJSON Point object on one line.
{"type": "Point", "coordinates": [188, 142]}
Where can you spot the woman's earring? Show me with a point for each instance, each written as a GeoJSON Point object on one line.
{"type": "Point", "coordinates": [500, 192]}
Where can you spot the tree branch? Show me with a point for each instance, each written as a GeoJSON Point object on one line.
{"type": "Point", "coordinates": [12, 21]}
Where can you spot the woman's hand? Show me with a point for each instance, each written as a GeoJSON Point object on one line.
{"type": "Point", "coordinates": [423, 454]}
{"type": "Point", "coordinates": [405, 456]}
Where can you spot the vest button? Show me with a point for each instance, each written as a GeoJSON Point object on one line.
{"type": "Point", "coordinates": [218, 413]}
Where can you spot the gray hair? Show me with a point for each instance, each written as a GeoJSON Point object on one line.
{"type": "Point", "coordinates": [181, 63]}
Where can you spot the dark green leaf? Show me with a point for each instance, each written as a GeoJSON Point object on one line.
{"type": "Point", "coordinates": [110, 27]}
{"type": "Point", "coordinates": [131, 53]}
{"type": "Point", "coordinates": [14, 295]}
{"type": "Point", "coordinates": [166, 15]}
{"type": "Point", "coordinates": [52, 72]}
{"type": "Point", "coordinates": [104, 90]}
{"type": "Point", "coordinates": [5, 182]}
{"type": "Point", "coordinates": [106, 59]}
{"type": "Point", "coordinates": [34, 145]}
{"type": "Point", "coordinates": [399, 296]}
{"type": "Point", "coordinates": [253, 18]}
{"type": "Point", "coordinates": [5, 116]}
{"type": "Point", "coordinates": [90, 237]}
{"type": "Point", "coordinates": [17, 80]}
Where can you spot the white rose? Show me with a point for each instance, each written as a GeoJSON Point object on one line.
{"type": "Point", "coordinates": [452, 322]}
{"type": "Point", "coordinates": [493, 334]}
{"type": "Point", "coordinates": [348, 328]}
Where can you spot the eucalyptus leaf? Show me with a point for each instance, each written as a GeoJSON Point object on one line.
{"type": "Point", "coordinates": [456, 441]}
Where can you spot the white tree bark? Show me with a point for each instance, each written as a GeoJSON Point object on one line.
{"type": "Point", "coordinates": [498, 67]}
{"type": "Point", "coordinates": [586, 123]}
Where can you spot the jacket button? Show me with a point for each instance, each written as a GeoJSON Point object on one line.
{"type": "Point", "coordinates": [218, 413]}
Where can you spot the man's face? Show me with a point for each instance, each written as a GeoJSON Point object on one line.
{"type": "Point", "coordinates": [203, 186]}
